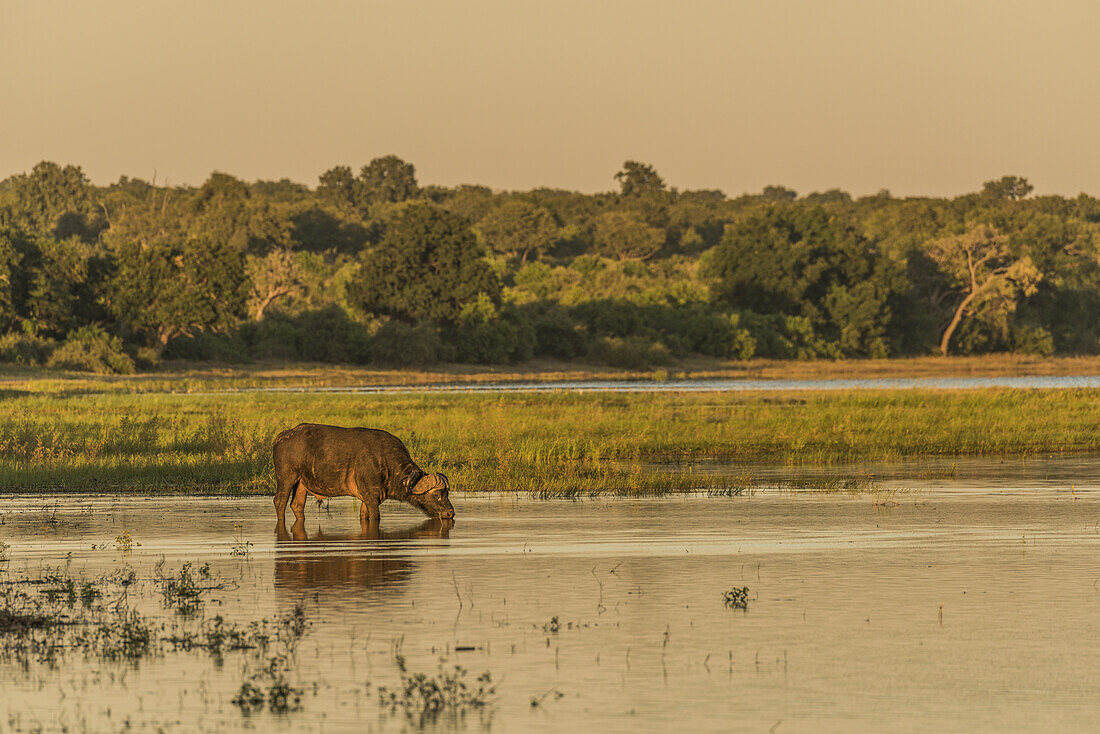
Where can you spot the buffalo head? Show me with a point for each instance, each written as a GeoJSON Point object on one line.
{"type": "Point", "coordinates": [430, 494]}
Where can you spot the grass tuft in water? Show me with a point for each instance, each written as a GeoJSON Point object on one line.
{"type": "Point", "coordinates": [426, 699]}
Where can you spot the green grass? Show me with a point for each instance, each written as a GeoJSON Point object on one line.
{"type": "Point", "coordinates": [559, 444]}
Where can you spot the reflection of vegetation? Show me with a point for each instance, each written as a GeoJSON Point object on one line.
{"type": "Point", "coordinates": [548, 444]}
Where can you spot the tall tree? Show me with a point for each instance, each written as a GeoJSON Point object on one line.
{"type": "Point", "coordinates": [428, 266]}
{"type": "Point", "coordinates": [52, 200]}
{"type": "Point", "coordinates": [777, 194]}
{"type": "Point", "coordinates": [273, 277]}
{"type": "Point", "coordinates": [625, 236]}
{"type": "Point", "coordinates": [337, 187]}
{"type": "Point", "coordinates": [986, 276]}
{"type": "Point", "coordinates": [807, 263]}
{"type": "Point", "coordinates": [385, 180]}
{"type": "Point", "coordinates": [1007, 188]}
{"type": "Point", "coordinates": [9, 264]}
{"type": "Point", "coordinates": [639, 178]}
{"type": "Point", "coordinates": [165, 291]}
{"type": "Point", "coordinates": [518, 228]}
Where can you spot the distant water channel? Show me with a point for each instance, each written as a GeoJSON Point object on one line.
{"type": "Point", "coordinates": [936, 611]}
{"type": "Point", "coordinates": [723, 385]}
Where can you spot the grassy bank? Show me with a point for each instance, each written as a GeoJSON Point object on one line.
{"type": "Point", "coordinates": [543, 443]}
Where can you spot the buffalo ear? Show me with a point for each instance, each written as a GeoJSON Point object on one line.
{"type": "Point", "coordinates": [446, 481]}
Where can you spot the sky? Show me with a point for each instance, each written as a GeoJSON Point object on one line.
{"type": "Point", "coordinates": [928, 97]}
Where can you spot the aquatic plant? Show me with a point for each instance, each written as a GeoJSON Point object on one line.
{"type": "Point", "coordinates": [269, 685]}
{"type": "Point", "coordinates": [240, 546]}
{"type": "Point", "coordinates": [424, 698]}
{"type": "Point", "coordinates": [125, 542]}
{"type": "Point", "coordinates": [181, 593]}
{"type": "Point", "coordinates": [737, 598]}
{"type": "Point", "coordinates": [89, 593]}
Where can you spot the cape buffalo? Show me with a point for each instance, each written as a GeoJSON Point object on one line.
{"type": "Point", "coordinates": [372, 465]}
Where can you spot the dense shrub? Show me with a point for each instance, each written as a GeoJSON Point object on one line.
{"type": "Point", "coordinates": [556, 334]}
{"type": "Point", "coordinates": [608, 317]}
{"type": "Point", "coordinates": [634, 353]}
{"type": "Point", "coordinates": [208, 347]}
{"type": "Point", "coordinates": [275, 337]}
{"type": "Point", "coordinates": [90, 349]}
{"type": "Point", "coordinates": [398, 344]}
{"type": "Point", "coordinates": [1030, 339]}
{"type": "Point", "coordinates": [330, 335]}
{"type": "Point", "coordinates": [25, 349]}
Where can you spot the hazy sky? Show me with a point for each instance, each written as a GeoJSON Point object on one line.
{"type": "Point", "coordinates": [921, 97]}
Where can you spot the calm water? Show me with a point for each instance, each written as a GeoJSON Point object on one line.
{"type": "Point", "coordinates": [1070, 473]}
{"type": "Point", "coordinates": [949, 611]}
{"type": "Point", "coordinates": [722, 385]}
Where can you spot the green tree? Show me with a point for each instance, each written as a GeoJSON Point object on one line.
{"type": "Point", "coordinates": [9, 264]}
{"type": "Point", "coordinates": [57, 286]}
{"type": "Point", "coordinates": [987, 278]}
{"type": "Point", "coordinates": [337, 187]}
{"type": "Point", "coordinates": [428, 266]}
{"type": "Point", "coordinates": [273, 277]}
{"type": "Point", "coordinates": [808, 264]}
{"type": "Point", "coordinates": [52, 200]}
{"type": "Point", "coordinates": [385, 180]}
{"type": "Point", "coordinates": [167, 291]}
{"type": "Point", "coordinates": [223, 209]}
{"type": "Point", "coordinates": [639, 178]}
{"type": "Point", "coordinates": [518, 228]}
{"type": "Point", "coordinates": [624, 235]}
{"type": "Point", "coordinates": [1007, 188]}
{"type": "Point", "coordinates": [777, 194]}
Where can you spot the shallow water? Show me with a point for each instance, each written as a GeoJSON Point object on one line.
{"type": "Point", "coordinates": [1072, 473]}
{"type": "Point", "coordinates": [1040, 382]}
{"type": "Point", "coordinates": [957, 611]}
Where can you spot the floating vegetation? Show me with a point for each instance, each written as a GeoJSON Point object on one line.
{"type": "Point", "coordinates": [426, 699]}
{"type": "Point", "coordinates": [125, 542]}
{"type": "Point", "coordinates": [737, 598]}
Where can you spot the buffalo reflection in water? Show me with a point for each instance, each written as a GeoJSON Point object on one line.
{"type": "Point", "coordinates": [366, 559]}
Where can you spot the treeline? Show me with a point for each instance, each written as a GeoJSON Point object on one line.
{"type": "Point", "coordinates": [372, 267]}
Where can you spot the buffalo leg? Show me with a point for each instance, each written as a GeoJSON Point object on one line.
{"type": "Point", "coordinates": [298, 504]}
{"type": "Point", "coordinates": [368, 513]}
{"type": "Point", "coordinates": [284, 487]}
